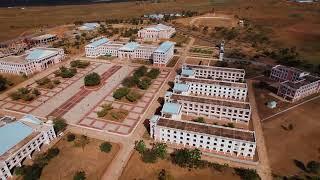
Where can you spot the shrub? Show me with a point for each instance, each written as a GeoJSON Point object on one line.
{"type": "Point", "coordinates": [247, 174]}
{"type": "Point", "coordinates": [141, 71]}
{"type": "Point", "coordinates": [59, 124]}
{"type": "Point", "coordinates": [105, 109]}
{"type": "Point", "coordinates": [140, 146]}
{"type": "Point", "coordinates": [130, 81]}
{"type": "Point", "coordinates": [56, 81]}
{"type": "Point", "coordinates": [153, 73]}
{"type": "Point", "coordinates": [121, 92]}
{"type": "Point", "coordinates": [144, 83]}
{"type": "Point", "coordinates": [71, 137]}
{"type": "Point", "coordinates": [149, 156]}
{"type": "Point", "coordinates": [43, 81]}
{"type": "Point", "coordinates": [314, 167]}
{"type": "Point", "coordinates": [133, 96]}
{"type": "Point", "coordinates": [199, 120]}
{"type": "Point", "coordinates": [65, 72]}
{"type": "Point", "coordinates": [105, 147]}
{"type": "Point", "coordinates": [186, 158]}
{"type": "Point", "coordinates": [52, 152]}
{"type": "Point", "coordinates": [3, 83]}
{"type": "Point", "coordinates": [79, 64]}
{"type": "Point", "coordinates": [79, 175]}
{"type": "Point", "coordinates": [160, 149]}
{"type": "Point", "coordinates": [92, 79]}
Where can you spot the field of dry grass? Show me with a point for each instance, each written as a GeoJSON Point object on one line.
{"type": "Point", "coordinates": [300, 142]}
{"type": "Point", "coordinates": [134, 167]}
{"type": "Point", "coordinates": [72, 159]}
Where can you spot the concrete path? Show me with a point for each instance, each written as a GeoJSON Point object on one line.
{"type": "Point", "coordinates": [263, 167]}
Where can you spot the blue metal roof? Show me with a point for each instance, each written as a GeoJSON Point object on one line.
{"type": "Point", "coordinates": [98, 42]}
{"type": "Point", "coordinates": [171, 108]}
{"type": "Point", "coordinates": [164, 47]}
{"type": "Point", "coordinates": [11, 134]}
{"type": "Point", "coordinates": [131, 46]}
{"type": "Point", "coordinates": [39, 53]}
{"type": "Point", "coordinates": [32, 119]}
{"type": "Point", "coordinates": [181, 87]}
{"type": "Point", "coordinates": [187, 72]}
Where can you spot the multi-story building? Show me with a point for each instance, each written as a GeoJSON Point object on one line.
{"type": "Point", "coordinates": [283, 73]}
{"type": "Point", "coordinates": [209, 138]}
{"type": "Point", "coordinates": [19, 139]}
{"type": "Point", "coordinates": [213, 72]}
{"type": "Point", "coordinates": [296, 90]}
{"type": "Point", "coordinates": [295, 84]}
{"type": "Point", "coordinates": [156, 32]}
{"type": "Point", "coordinates": [34, 60]}
{"type": "Point", "coordinates": [44, 39]}
{"type": "Point", "coordinates": [211, 88]}
{"type": "Point", "coordinates": [160, 55]}
{"type": "Point", "coordinates": [234, 111]}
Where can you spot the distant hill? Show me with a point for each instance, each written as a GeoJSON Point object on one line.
{"type": "Point", "coordinates": [10, 3]}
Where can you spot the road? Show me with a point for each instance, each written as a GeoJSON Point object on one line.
{"type": "Point", "coordinates": [263, 167]}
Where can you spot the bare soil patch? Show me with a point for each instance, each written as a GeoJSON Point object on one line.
{"type": "Point", "coordinates": [72, 159]}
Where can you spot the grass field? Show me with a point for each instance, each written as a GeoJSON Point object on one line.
{"type": "Point", "coordinates": [300, 143]}
{"type": "Point", "coordinates": [134, 167]}
{"type": "Point", "coordinates": [72, 159]}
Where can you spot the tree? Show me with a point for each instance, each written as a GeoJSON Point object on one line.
{"type": "Point", "coordinates": [133, 96]}
{"type": "Point", "coordinates": [141, 71]}
{"type": "Point", "coordinates": [71, 137]}
{"type": "Point", "coordinates": [3, 83]}
{"type": "Point", "coordinates": [140, 146]}
{"type": "Point", "coordinates": [153, 73]}
{"type": "Point", "coordinates": [187, 158]}
{"type": "Point", "coordinates": [247, 174]}
{"type": "Point", "coordinates": [82, 141]}
{"type": "Point", "coordinates": [131, 81]}
{"type": "Point", "coordinates": [149, 156]}
{"type": "Point", "coordinates": [105, 147]}
{"type": "Point", "coordinates": [144, 83]}
{"type": "Point", "coordinates": [314, 167]}
{"type": "Point", "coordinates": [59, 124]}
{"type": "Point", "coordinates": [160, 149]}
{"type": "Point", "coordinates": [121, 92]}
{"type": "Point", "coordinates": [92, 79]}
{"type": "Point", "coordinates": [79, 175]}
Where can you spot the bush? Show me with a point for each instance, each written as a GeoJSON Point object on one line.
{"type": "Point", "coordinates": [3, 83]}
{"type": "Point", "coordinates": [43, 81]}
{"type": "Point", "coordinates": [141, 71]}
{"type": "Point", "coordinates": [314, 167]}
{"type": "Point", "coordinates": [52, 152]}
{"type": "Point", "coordinates": [140, 146]}
{"type": "Point", "coordinates": [71, 137]}
{"type": "Point", "coordinates": [160, 149]}
{"type": "Point", "coordinates": [133, 96]}
{"type": "Point", "coordinates": [105, 109]}
{"type": "Point", "coordinates": [247, 174]}
{"type": "Point", "coordinates": [199, 120]}
{"type": "Point", "coordinates": [149, 156]}
{"type": "Point", "coordinates": [153, 73]}
{"type": "Point", "coordinates": [187, 158]}
{"type": "Point", "coordinates": [79, 64]}
{"type": "Point", "coordinates": [59, 124]}
{"type": "Point", "coordinates": [92, 79]}
{"type": "Point", "coordinates": [130, 81]}
{"type": "Point", "coordinates": [79, 175]}
{"type": "Point", "coordinates": [144, 83]}
{"type": "Point", "coordinates": [121, 92]}
{"type": "Point", "coordinates": [105, 147]}
{"type": "Point", "coordinates": [65, 72]}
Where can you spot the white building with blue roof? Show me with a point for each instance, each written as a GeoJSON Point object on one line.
{"type": "Point", "coordinates": [34, 60]}
{"type": "Point", "coordinates": [156, 32]}
{"type": "Point", "coordinates": [160, 55]}
{"type": "Point", "coordinates": [19, 139]}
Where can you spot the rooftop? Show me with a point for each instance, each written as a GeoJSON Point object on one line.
{"type": "Point", "coordinates": [308, 79]}
{"type": "Point", "coordinates": [158, 27]}
{"type": "Point", "coordinates": [131, 46]}
{"type": "Point", "coordinates": [11, 134]}
{"type": "Point", "coordinates": [192, 66]}
{"type": "Point", "coordinates": [39, 53]}
{"type": "Point", "coordinates": [164, 47]}
{"type": "Point", "coordinates": [187, 72]}
{"type": "Point", "coordinates": [98, 42]}
{"type": "Point", "coordinates": [45, 36]}
{"type": "Point", "coordinates": [211, 81]}
{"type": "Point", "coordinates": [171, 108]}
{"type": "Point", "coordinates": [181, 87]}
{"type": "Point", "coordinates": [206, 100]}
{"type": "Point", "coordinates": [231, 133]}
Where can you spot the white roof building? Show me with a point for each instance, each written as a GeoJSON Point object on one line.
{"type": "Point", "coordinates": [89, 26]}
{"type": "Point", "coordinates": [156, 32]}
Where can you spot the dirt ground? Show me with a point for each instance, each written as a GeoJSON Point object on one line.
{"type": "Point", "coordinates": [136, 169]}
{"type": "Point", "coordinates": [71, 159]}
{"type": "Point", "coordinates": [301, 143]}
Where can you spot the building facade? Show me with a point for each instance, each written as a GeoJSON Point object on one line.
{"type": "Point", "coordinates": [160, 55]}
{"type": "Point", "coordinates": [209, 138]}
{"type": "Point", "coordinates": [19, 139]}
{"type": "Point", "coordinates": [213, 72]}
{"type": "Point", "coordinates": [34, 60]}
{"type": "Point", "coordinates": [233, 111]}
{"type": "Point", "coordinates": [44, 39]}
{"type": "Point", "coordinates": [211, 88]}
{"type": "Point", "coordinates": [295, 84]}
{"type": "Point", "coordinates": [157, 32]}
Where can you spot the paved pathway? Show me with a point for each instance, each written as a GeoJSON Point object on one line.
{"type": "Point", "coordinates": [263, 167]}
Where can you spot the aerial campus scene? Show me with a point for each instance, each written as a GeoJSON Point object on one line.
{"type": "Point", "coordinates": [160, 89]}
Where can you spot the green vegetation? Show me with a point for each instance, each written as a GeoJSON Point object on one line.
{"type": "Point", "coordinates": [79, 175]}
{"type": "Point", "coordinates": [202, 51]}
{"type": "Point", "coordinates": [26, 94]}
{"type": "Point", "coordinates": [121, 92]}
{"type": "Point", "coordinates": [92, 79]}
{"type": "Point", "coordinates": [179, 39]}
{"type": "Point", "coordinates": [4, 83]}
{"type": "Point", "coordinates": [59, 124]}
{"type": "Point", "coordinates": [65, 72]}
{"type": "Point", "coordinates": [153, 73]}
{"type": "Point", "coordinates": [105, 110]}
{"type": "Point", "coordinates": [199, 120]}
{"type": "Point", "coordinates": [247, 174]}
{"type": "Point", "coordinates": [79, 64]}
{"type": "Point", "coordinates": [71, 137]}
{"type": "Point", "coordinates": [110, 113]}
{"type": "Point", "coordinates": [314, 167]}
{"type": "Point", "coordinates": [186, 157]}
{"type": "Point", "coordinates": [144, 83]}
{"type": "Point", "coordinates": [47, 83]}
{"type": "Point", "coordinates": [158, 150]}
{"type": "Point", "coordinates": [31, 172]}
{"type": "Point", "coordinates": [82, 141]}
{"type": "Point", "coordinates": [142, 78]}
{"type": "Point", "coordinates": [105, 147]}
{"type": "Point", "coordinates": [133, 96]}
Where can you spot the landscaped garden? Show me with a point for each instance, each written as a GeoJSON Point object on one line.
{"type": "Point", "coordinates": [201, 51]}
{"type": "Point", "coordinates": [79, 64]}
{"type": "Point", "coordinates": [47, 83]}
{"type": "Point", "coordinates": [65, 72]}
{"type": "Point", "coordinates": [92, 79]}
{"type": "Point", "coordinates": [25, 94]}
{"type": "Point", "coordinates": [109, 113]}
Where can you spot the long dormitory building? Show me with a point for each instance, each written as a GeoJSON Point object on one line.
{"type": "Point", "coordinates": [208, 138]}
{"type": "Point", "coordinates": [210, 88]}
{"type": "Point", "coordinates": [212, 72]}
